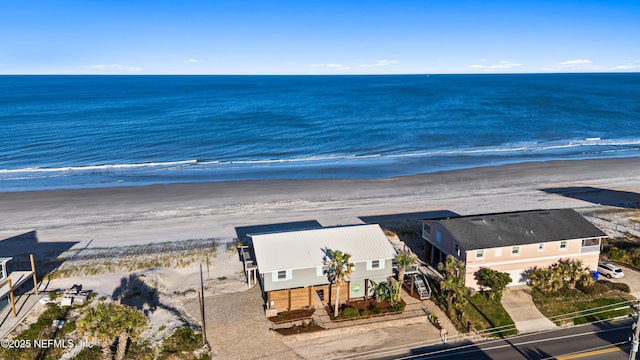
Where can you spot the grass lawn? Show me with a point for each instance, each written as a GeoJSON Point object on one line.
{"type": "Point", "coordinates": [485, 314]}
{"type": "Point", "coordinates": [555, 306]}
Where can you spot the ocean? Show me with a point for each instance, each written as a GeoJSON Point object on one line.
{"type": "Point", "coordinates": [63, 132]}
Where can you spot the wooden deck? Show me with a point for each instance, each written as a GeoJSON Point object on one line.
{"type": "Point", "coordinates": [17, 279]}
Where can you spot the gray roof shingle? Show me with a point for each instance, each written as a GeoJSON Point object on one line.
{"type": "Point", "coordinates": [519, 228]}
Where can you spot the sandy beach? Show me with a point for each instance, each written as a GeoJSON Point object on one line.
{"type": "Point", "coordinates": [123, 216]}
{"type": "Point", "coordinates": [126, 217]}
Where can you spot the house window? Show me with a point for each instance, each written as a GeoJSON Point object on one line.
{"type": "Point", "coordinates": [498, 252]}
{"type": "Point", "coordinates": [375, 264]}
{"type": "Point", "coordinates": [479, 254]}
{"type": "Point", "coordinates": [456, 248]}
{"type": "Point", "coordinates": [563, 245]}
{"type": "Point", "coordinates": [540, 247]}
{"type": "Point", "coordinates": [515, 250]}
{"type": "Point", "coordinates": [282, 275]}
{"type": "Point", "coordinates": [438, 236]}
{"type": "Point", "coordinates": [319, 271]}
{"type": "Point", "coordinates": [426, 231]}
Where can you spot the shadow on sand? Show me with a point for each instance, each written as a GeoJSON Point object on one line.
{"type": "Point", "coordinates": [45, 254]}
{"type": "Point", "coordinates": [243, 232]}
{"type": "Point", "coordinates": [625, 199]}
{"type": "Point", "coordinates": [135, 292]}
{"type": "Point", "coordinates": [408, 226]}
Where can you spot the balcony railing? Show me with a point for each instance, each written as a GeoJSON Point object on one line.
{"type": "Point", "coordinates": [590, 246]}
{"type": "Point", "coordinates": [590, 249]}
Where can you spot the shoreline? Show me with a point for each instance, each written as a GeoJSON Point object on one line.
{"type": "Point", "coordinates": [347, 169]}
{"type": "Point", "coordinates": [222, 183]}
{"type": "Point", "coordinates": [104, 217]}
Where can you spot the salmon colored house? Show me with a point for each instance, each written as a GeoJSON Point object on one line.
{"type": "Point", "coordinates": [512, 242]}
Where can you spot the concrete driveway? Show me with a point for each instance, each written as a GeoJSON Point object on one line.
{"type": "Point", "coordinates": [237, 328]}
{"type": "Point", "coordinates": [631, 278]}
{"type": "Point", "coordinates": [517, 301]}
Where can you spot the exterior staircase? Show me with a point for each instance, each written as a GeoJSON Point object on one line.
{"type": "Point", "coordinates": [422, 286]}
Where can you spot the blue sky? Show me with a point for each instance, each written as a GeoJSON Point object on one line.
{"type": "Point", "coordinates": [317, 37]}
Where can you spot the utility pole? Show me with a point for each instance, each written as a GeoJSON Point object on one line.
{"type": "Point", "coordinates": [636, 334]}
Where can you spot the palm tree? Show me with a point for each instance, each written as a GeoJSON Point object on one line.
{"type": "Point", "coordinates": [338, 268]}
{"type": "Point", "coordinates": [105, 321]}
{"type": "Point", "coordinates": [453, 283]}
{"type": "Point", "coordinates": [404, 260]}
{"type": "Point", "coordinates": [575, 272]}
{"type": "Point", "coordinates": [556, 281]}
{"type": "Point", "coordinates": [383, 291]}
{"type": "Point", "coordinates": [562, 270]}
{"type": "Point", "coordinates": [540, 279]}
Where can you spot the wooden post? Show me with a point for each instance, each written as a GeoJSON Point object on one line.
{"type": "Point", "coordinates": [12, 300]}
{"type": "Point", "coordinates": [202, 314]}
{"type": "Point", "coordinates": [309, 295]}
{"type": "Point", "coordinates": [208, 275]}
{"type": "Point", "coordinates": [33, 269]}
{"type": "Point", "coordinates": [204, 330]}
{"type": "Point", "coordinates": [366, 289]}
{"type": "Point", "coordinates": [289, 306]}
{"type": "Point", "coordinates": [413, 276]}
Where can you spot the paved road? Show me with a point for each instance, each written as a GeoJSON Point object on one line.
{"type": "Point", "coordinates": [599, 341]}
{"type": "Point", "coordinates": [546, 345]}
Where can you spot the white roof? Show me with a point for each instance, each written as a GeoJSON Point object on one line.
{"type": "Point", "coordinates": [305, 249]}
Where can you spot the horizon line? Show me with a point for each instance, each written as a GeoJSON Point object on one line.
{"type": "Point", "coordinates": [303, 74]}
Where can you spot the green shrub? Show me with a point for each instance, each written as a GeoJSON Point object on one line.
{"type": "Point", "coordinates": [604, 286]}
{"type": "Point", "coordinates": [599, 287]}
{"type": "Point", "coordinates": [69, 327]}
{"type": "Point", "coordinates": [350, 312]}
{"type": "Point", "coordinates": [621, 287]}
{"type": "Point", "coordinates": [202, 356]}
{"type": "Point", "coordinates": [92, 353]}
{"type": "Point", "coordinates": [396, 307]}
{"type": "Point", "coordinates": [140, 351]}
{"type": "Point", "coordinates": [375, 309]}
{"type": "Point", "coordinates": [182, 340]}
{"type": "Point", "coordinates": [617, 253]}
{"type": "Point", "coordinates": [364, 312]}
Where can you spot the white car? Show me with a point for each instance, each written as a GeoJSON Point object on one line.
{"type": "Point", "coordinates": [609, 270]}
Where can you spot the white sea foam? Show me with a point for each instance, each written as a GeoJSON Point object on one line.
{"type": "Point", "coordinates": [514, 149]}
{"type": "Point", "coordinates": [97, 167]}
